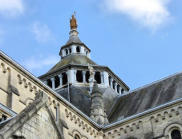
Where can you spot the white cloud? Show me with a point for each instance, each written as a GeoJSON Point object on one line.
{"type": "Point", "coordinates": [150, 13]}
{"type": "Point", "coordinates": [11, 7]}
{"type": "Point", "coordinates": [35, 63]}
{"type": "Point", "coordinates": [42, 32]}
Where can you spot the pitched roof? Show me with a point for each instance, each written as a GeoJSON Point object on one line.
{"type": "Point", "coordinates": [74, 39]}
{"type": "Point", "coordinates": [147, 97]}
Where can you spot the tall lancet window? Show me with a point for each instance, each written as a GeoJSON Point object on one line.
{"type": "Point", "coordinates": [64, 78]}
{"type": "Point", "coordinates": [77, 137]}
{"type": "Point", "coordinates": [78, 49]}
{"type": "Point", "coordinates": [175, 134]}
{"type": "Point", "coordinates": [98, 77]}
{"type": "Point", "coordinates": [79, 76]}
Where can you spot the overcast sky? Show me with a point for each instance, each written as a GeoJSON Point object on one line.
{"type": "Point", "coordinates": [140, 40]}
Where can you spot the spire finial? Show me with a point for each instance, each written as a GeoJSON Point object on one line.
{"type": "Point", "coordinates": [73, 22]}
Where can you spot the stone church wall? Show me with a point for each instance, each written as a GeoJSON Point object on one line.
{"type": "Point", "coordinates": [38, 127]}
{"type": "Point", "coordinates": [23, 88]}
{"type": "Point", "coordinates": [157, 124]}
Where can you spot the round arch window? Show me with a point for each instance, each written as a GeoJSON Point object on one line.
{"type": "Point", "coordinates": [77, 137]}
{"type": "Point", "coordinates": [175, 134]}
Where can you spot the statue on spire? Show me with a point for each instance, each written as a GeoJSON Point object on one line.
{"type": "Point", "coordinates": [73, 22]}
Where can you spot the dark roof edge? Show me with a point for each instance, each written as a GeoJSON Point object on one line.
{"type": "Point", "coordinates": [154, 82]}
{"type": "Point", "coordinates": [40, 83]}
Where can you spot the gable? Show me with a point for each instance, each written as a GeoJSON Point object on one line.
{"type": "Point", "coordinates": [40, 126]}
{"type": "Point", "coordinates": [35, 121]}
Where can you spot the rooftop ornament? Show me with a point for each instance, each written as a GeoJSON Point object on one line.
{"type": "Point", "coordinates": [91, 78]}
{"type": "Point", "coordinates": [73, 22]}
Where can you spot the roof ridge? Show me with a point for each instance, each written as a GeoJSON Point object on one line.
{"type": "Point", "coordinates": [155, 82]}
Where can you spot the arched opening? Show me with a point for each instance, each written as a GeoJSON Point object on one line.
{"type": "Point", "coordinates": [118, 88]}
{"type": "Point", "coordinates": [70, 50]}
{"type": "Point", "coordinates": [57, 81]}
{"type": "Point", "coordinates": [122, 91]}
{"type": "Point", "coordinates": [113, 85]}
{"type": "Point", "coordinates": [109, 80]}
{"type": "Point", "coordinates": [76, 137]}
{"type": "Point", "coordinates": [18, 137]}
{"type": "Point", "coordinates": [175, 134]}
{"type": "Point", "coordinates": [3, 118]}
{"type": "Point", "coordinates": [78, 49]}
{"type": "Point", "coordinates": [66, 51]}
{"type": "Point", "coordinates": [79, 76]}
{"type": "Point", "coordinates": [98, 77]}
{"type": "Point", "coordinates": [65, 79]}
{"type": "Point", "coordinates": [49, 83]}
{"type": "Point", "coordinates": [87, 76]}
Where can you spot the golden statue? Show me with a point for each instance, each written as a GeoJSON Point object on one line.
{"type": "Point", "coordinates": [73, 22]}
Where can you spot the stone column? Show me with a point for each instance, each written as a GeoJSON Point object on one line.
{"type": "Point", "coordinates": [115, 86]}
{"type": "Point", "coordinates": [97, 106]}
{"type": "Point", "coordinates": [102, 77]}
{"type": "Point", "coordinates": [74, 76]}
{"type": "Point", "coordinates": [81, 49]}
{"type": "Point", "coordinates": [105, 78]}
{"type": "Point", "coordinates": [84, 76]}
{"type": "Point", "coordinates": [120, 90]}
{"type": "Point", "coordinates": [70, 75]}
{"type": "Point", "coordinates": [73, 49]}
{"type": "Point", "coordinates": [111, 83]}
{"type": "Point", "coordinates": [53, 82]}
{"type": "Point", "coordinates": [63, 52]}
{"type": "Point", "coordinates": [60, 80]}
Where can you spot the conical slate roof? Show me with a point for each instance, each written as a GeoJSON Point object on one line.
{"type": "Point", "coordinates": [74, 39]}
{"type": "Point", "coordinates": [72, 60]}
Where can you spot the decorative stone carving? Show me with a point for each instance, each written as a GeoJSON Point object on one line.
{"type": "Point", "coordinates": [98, 113]}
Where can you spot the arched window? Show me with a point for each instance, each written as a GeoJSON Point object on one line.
{"type": "Point", "coordinates": [3, 118]}
{"type": "Point", "coordinates": [113, 85]}
{"type": "Point", "coordinates": [76, 137]}
{"type": "Point", "coordinates": [175, 134]}
{"type": "Point", "coordinates": [57, 81]}
{"type": "Point", "coordinates": [70, 50]}
{"type": "Point", "coordinates": [87, 76]}
{"type": "Point", "coordinates": [122, 91]}
{"type": "Point", "coordinates": [79, 76]}
{"type": "Point", "coordinates": [98, 77]}
{"type": "Point", "coordinates": [78, 49]}
{"type": "Point", "coordinates": [109, 80]}
{"type": "Point", "coordinates": [66, 51]}
{"type": "Point", "coordinates": [18, 137]}
{"type": "Point", "coordinates": [118, 88]}
{"type": "Point", "coordinates": [64, 78]}
{"type": "Point", "coordinates": [49, 83]}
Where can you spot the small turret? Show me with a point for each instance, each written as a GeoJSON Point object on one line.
{"type": "Point", "coordinates": [98, 113]}
{"type": "Point", "coordinates": [74, 45]}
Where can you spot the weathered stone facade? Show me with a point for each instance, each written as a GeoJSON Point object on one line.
{"type": "Point", "coordinates": [66, 107]}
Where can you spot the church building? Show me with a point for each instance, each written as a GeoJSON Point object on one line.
{"type": "Point", "coordinates": [79, 99]}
